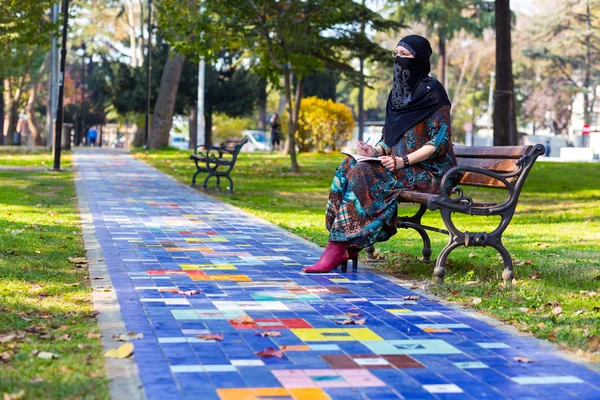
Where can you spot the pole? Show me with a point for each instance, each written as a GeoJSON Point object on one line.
{"type": "Point", "coordinates": [61, 91]}
{"type": "Point", "coordinates": [82, 130]}
{"type": "Point", "coordinates": [361, 92]}
{"type": "Point", "coordinates": [200, 132]}
{"type": "Point", "coordinates": [490, 105]}
{"type": "Point", "coordinates": [148, 69]}
{"type": "Point", "coordinates": [53, 75]}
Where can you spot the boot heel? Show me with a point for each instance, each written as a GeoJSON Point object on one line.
{"type": "Point", "coordinates": [344, 266]}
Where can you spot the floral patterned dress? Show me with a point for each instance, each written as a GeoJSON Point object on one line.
{"type": "Point", "coordinates": [362, 207]}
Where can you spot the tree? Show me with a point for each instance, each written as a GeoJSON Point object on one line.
{"type": "Point", "coordinates": [444, 19]}
{"type": "Point", "coordinates": [505, 118]}
{"type": "Point", "coordinates": [288, 37]}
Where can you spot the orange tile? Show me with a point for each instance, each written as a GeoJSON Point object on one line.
{"type": "Point", "coordinates": [436, 330]}
{"type": "Point", "coordinates": [271, 392]}
{"type": "Point", "coordinates": [295, 348]}
{"type": "Point", "coordinates": [236, 394]}
{"type": "Point", "coordinates": [309, 394]}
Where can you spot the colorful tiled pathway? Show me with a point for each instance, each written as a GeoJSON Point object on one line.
{"type": "Point", "coordinates": [159, 236]}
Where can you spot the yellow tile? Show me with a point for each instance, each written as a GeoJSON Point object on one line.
{"type": "Point", "coordinates": [189, 267]}
{"type": "Point", "coordinates": [195, 267]}
{"type": "Point", "coordinates": [271, 392]}
{"type": "Point", "coordinates": [399, 310]}
{"type": "Point", "coordinates": [309, 394]}
{"type": "Point", "coordinates": [236, 394]}
{"type": "Point", "coordinates": [340, 280]}
{"type": "Point", "coordinates": [235, 278]}
{"type": "Point", "coordinates": [308, 335]}
{"type": "Point", "coordinates": [363, 334]}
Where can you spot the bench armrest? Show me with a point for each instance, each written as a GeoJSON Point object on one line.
{"type": "Point", "coordinates": [464, 204]}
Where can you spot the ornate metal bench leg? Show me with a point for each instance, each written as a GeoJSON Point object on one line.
{"type": "Point", "coordinates": [439, 272]}
{"type": "Point", "coordinates": [205, 183]}
{"type": "Point", "coordinates": [508, 274]}
{"type": "Point", "coordinates": [230, 187]}
{"type": "Point", "coordinates": [426, 251]}
{"type": "Point", "coordinates": [194, 178]}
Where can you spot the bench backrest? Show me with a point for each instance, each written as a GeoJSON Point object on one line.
{"type": "Point", "coordinates": [499, 159]}
{"type": "Point", "coordinates": [234, 144]}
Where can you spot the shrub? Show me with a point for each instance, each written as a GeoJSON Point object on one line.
{"type": "Point", "coordinates": [323, 124]}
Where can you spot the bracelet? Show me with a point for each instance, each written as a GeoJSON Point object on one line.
{"type": "Point", "coordinates": [395, 162]}
{"type": "Point", "coordinates": [376, 152]}
{"type": "Point", "coordinates": [405, 161]}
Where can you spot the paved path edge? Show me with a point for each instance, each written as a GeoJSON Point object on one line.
{"type": "Point", "coordinates": [123, 375]}
{"type": "Point", "coordinates": [541, 343]}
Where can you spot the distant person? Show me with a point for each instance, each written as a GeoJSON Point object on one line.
{"type": "Point", "coordinates": [585, 135]}
{"type": "Point", "coordinates": [547, 148]}
{"type": "Point", "coordinates": [92, 135]}
{"type": "Point", "coordinates": [275, 132]}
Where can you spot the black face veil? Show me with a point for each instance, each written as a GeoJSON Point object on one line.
{"type": "Point", "coordinates": [414, 95]}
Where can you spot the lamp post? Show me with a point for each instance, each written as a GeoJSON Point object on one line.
{"type": "Point", "coordinates": [148, 69]}
{"type": "Point", "coordinates": [61, 89]}
{"type": "Point", "coordinates": [82, 130]}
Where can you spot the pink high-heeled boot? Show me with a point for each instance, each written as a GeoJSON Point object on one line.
{"type": "Point", "coordinates": [335, 255]}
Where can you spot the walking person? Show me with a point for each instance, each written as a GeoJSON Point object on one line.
{"type": "Point", "coordinates": [415, 152]}
{"type": "Point", "coordinates": [275, 132]}
{"type": "Point", "coordinates": [92, 135]}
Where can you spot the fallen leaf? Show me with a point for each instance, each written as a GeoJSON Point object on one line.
{"type": "Point", "coordinates": [522, 360]}
{"type": "Point", "coordinates": [477, 300]}
{"type": "Point", "coordinates": [243, 319]}
{"type": "Point", "coordinates": [593, 343]}
{"type": "Point", "coordinates": [270, 352]}
{"type": "Point", "coordinates": [187, 293]}
{"type": "Point", "coordinates": [122, 352]}
{"type": "Point", "coordinates": [578, 312]}
{"type": "Point", "coordinates": [350, 321]}
{"type": "Point", "coordinates": [7, 338]}
{"type": "Point", "coordinates": [128, 337]}
{"type": "Point", "coordinates": [14, 396]}
{"type": "Point", "coordinates": [36, 380]}
{"type": "Point", "coordinates": [557, 310]}
{"type": "Point", "coordinates": [71, 284]}
{"type": "Point", "coordinates": [78, 260]}
{"type": "Point", "coordinates": [544, 315]}
{"type": "Point", "coordinates": [211, 336]}
{"type": "Point", "coordinates": [541, 325]}
{"type": "Point", "coordinates": [471, 255]}
{"type": "Point", "coordinates": [524, 309]}
{"type": "Point", "coordinates": [350, 314]}
{"type": "Point", "coordinates": [454, 292]}
{"type": "Point", "coordinates": [93, 335]}
{"type": "Point", "coordinates": [5, 356]}
{"type": "Point", "coordinates": [46, 355]}
{"type": "Point", "coordinates": [64, 337]}
{"type": "Point", "coordinates": [82, 346]}
{"type": "Point", "coordinates": [410, 298]}
{"type": "Point", "coordinates": [535, 276]}
{"type": "Point", "coordinates": [269, 333]}
{"type": "Point", "coordinates": [542, 245]}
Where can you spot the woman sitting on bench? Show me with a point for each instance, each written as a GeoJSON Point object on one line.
{"type": "Point", "coordinates": [415, 152]}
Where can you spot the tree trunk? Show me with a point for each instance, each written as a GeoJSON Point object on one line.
{"type": "Point", "coordinates": [32, 121]}
{"type": "Point", "coordinates": [262, 105]}
{"type": "Point", "coordinates": [504, 109]}
{"type": "Point", "coordinates": [9, 115]}
{"type": "Point", "coordinates": [162, 118]}
{"type": "Point", "coordinates": [2, 121]}
{"type": "Point", "coordinates": [292, 122]}
{"type": "Point", "coordinates": [193, 127]}
{"type": "Point", "coordinates": [208, 122]}
{"type": "Point", "coordinates": [587, 110]}
{"type": "Point", "coordinates": [441, 67]}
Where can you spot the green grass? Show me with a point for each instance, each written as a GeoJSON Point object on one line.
{"type": "Point", "coordinates": [44, 298]}
{"type": "Point", "coordinates": [554, 238]}
{"type": "Point", "coordinates": [29, 157]}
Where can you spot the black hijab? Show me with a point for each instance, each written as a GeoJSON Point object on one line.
{"type": "Point", "coordinates": [414, 95]}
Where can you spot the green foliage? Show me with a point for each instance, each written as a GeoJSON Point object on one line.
{"type": "Point", "coordinates": [554, 261]}
{"type": "Point", "coordinates": [225, 126]}
{"type": "Point", "coordinates": [24, 23]}
{"type": "Point", "coordinates": [323, 124]}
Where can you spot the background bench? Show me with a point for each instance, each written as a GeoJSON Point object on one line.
{"type": "Point", "coordinates": [217, 161]}
{"type": "Point", "coordinates": [502, 167]}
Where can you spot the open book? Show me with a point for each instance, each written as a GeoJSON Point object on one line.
{"type": "Point", "coordinates": [359, 158]}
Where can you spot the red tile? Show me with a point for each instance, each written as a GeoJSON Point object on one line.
{"type": "Point", "coordinates": [156, 272]}
{"type": "Point", "coordinates": [340, 361]}
{"type": "Point", "coordinates": [403, 361]}
{"type": "Point", "coordinates": [295, 323]}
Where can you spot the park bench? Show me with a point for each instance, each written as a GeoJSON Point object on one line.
{"type": "Point", "coordinates": [217, 161]}
{"type": "Point", "coordinates": [501, 167]}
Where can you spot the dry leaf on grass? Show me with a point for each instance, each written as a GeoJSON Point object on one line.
{"type": "Point", "coordinates": [211, 336]}
{"type": "Point", "coordinates": [128, 337]}
{"type": "Point", "coordinates": [541, 325]}
{"type": "Point", "coordinates": [122, 352]}
{"type": "Point", "coordinates": [476, 300]}
{"type": "Point", "coordinates": [36, 380]}
{"type": "Point", "coordinates": [5, 356]}
{"type": "Point", "coordinates": [535, 276]}
{"type": "Point", "coordinates": [82, 346]}
{"type": "Point", "coordinates": [525, 309]}
{"type": "Point", "coordinates": [593, 343]}
{"type": "Point", "coordinates": [78, 260]}
{"type": "Point", "coordinates": [46, 355]}
{"type": "Point", "coordinates": [270, 352]}
{"type": "Point", "coordinates": [578, 312]}
{"type": "Point", "coordinates": [7, 338]}
{"type": "Point", "coordinates": [243, 319]}
{"type": "Point", "coordinates": [268, 333]}
{"type": "Point", "coordinates": [14, 396]}
{"type": "Point", "coordinates": [522, 360]}
{"type": "Point", "coordinates": [557, 310]}
{"type": "Point", "coordinates": [93, 335]}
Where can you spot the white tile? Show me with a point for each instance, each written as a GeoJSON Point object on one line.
{"type": "Point", "coordinates": [470, 365]}
{"type": "Point", "coordinates": [448, 388]}
{"type": "Point", "coordinates": [370, 361]}
{"type": "Point", "coordinates": [546, 380]}
{"type": "Point", "coordinates": [220, 368]}
{"type": "Point", "coordinates": [172, 340]}
{"type": "Point", "coordinates": [274, 305]}
{"type": "Point", "coordinates": [442, 326]}
{"type": "Point", "coordinates": [152, 300]}
{"type": "Point", "coordinates": [493, 345]}
{"type": "Point", "coordinates": [186, 368]}
{"type": "Point", "coordinates": [247, 363]}
{"type": "Point", "coordinates": [177, 302]}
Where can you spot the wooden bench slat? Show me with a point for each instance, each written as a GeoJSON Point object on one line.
{"type": "Point", "coordinates": [421, 198]}
{"type": "Point", "coordinates": [478, 180]}
{"type": "Point", "coordinates": [515, 152]}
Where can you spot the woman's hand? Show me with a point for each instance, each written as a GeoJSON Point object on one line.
{"type": "Point", "coordinates": [363, 149]}
{"type": "Point", "coordinates": [391, 163]}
